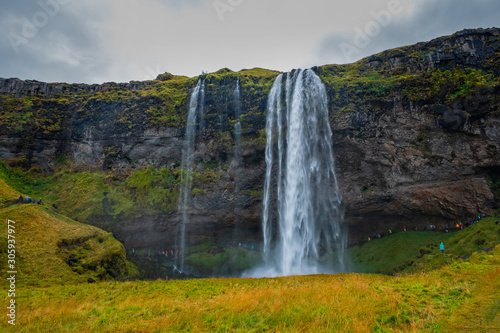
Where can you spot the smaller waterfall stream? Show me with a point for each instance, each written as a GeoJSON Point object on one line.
{"type": "Point", "coordinates": [196, 104]}
{"type": "Point", "coordinates": [237, 125]}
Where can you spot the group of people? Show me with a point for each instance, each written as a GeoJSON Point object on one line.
{"type": "Point", "coordinates": [164, 253]}
{"type": "Point", "coordinates": [433, 227]}
{"type": "Point", "coordinates": [461, 225]}
{"type": "Point", "coordinates": [21, 199]}
{"type": "Point", "coordinates": [244, 246]}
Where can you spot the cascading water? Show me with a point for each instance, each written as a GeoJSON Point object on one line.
{"type": "Point", "coordinates": [202, 110]}
{"type": "Point", "coordinates": [196, 104]}
{"type": "Point", "coordinates": [302, 216]}
{"type": "Point", "coordinates": [237, 126]}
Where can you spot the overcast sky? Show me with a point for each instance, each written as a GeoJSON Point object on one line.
{"type": "Point", "coordinates": [95, 41]}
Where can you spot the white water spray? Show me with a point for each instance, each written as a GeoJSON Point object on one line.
{"type": "Point", "coordinates": [302, 216]}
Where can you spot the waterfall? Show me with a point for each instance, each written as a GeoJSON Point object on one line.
{"type": "Point", "coordinates": [302, 216]}
{"type": "Point", "coordinates": [202, 110]}
{"type": "Point", "coordinates": [237, 125]}
{"type": "Point", "coordinates": [185, 196]}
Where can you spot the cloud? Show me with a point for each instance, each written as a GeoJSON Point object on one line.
{"type": "Point", "coordinates": [94, 41]}
{"type": "Point", "coordinates": [428, 19]}
{"type": "Point", "coordinates": [55, 41]}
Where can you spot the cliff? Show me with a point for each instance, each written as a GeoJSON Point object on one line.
{"type": "Point", "coordinates": [416, 140]}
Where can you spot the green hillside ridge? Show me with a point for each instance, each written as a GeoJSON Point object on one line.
{"type": "Point", "coordinates": [53, 249]}
{"type": "Point", "coordinates": [163, 104]}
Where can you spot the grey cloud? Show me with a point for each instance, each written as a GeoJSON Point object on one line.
{"type": "Point", "coordinates": [432, 18]}
{"type": "Point", "coordinates": [55, 42]}
{"type": "Point", "coordinates": [74, 45]}
{"type": "Point", "coordinates": [181, 4]}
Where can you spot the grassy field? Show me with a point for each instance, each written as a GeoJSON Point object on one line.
{"type": "Point", "coordinates": [461, 297]}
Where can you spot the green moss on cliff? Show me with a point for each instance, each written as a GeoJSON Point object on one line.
{"type": "Point", "coordinates": [355, 87]}
{"type": "Point", "coordinates": [102, 198]}
{"type": "Point", "coordinates": [447, 86]}
{"type": "Point", "coordinates": [15, 113]}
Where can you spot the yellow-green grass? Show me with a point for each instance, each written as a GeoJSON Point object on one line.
{"type": "Point", "coordinates": [7, 193]}
{"type": "Point", "coordinates": [461, 297]}
{"type": "Point", "coordinates": [44, 241]}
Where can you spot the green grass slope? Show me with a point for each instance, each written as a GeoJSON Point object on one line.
{"type": "Point", "coordinates": [392, 253]}
{"type": "Point", "coordinates": [416, 251]}
{"type": "Point", "coordinates": [51, 248]}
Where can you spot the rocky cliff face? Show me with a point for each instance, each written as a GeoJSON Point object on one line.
{"type": "Point", "coordinates": [416, 138]}
{"type": "Point", "coordinates": [418, 157]}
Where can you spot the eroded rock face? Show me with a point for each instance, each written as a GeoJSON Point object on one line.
{"type": "Point", "coordinates": [399, 161]}
{"type": "Point", "coordinates": [414, 167]}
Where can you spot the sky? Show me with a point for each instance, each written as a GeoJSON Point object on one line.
{"type": "Point", "coordinates": [96, 41]}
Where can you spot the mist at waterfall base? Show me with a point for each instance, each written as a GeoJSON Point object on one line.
{"type": "Point", "coordinates": [302, 214]}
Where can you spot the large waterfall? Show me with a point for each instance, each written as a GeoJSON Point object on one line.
{"type": "Point", "coordinates": [302, 216]}
{"type": "Point", "coordinates": [196, 105]}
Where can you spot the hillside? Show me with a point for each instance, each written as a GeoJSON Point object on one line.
{"type": "Point", "coordinates": [53, 249]}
